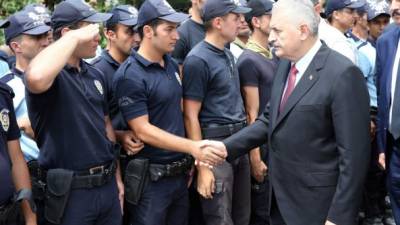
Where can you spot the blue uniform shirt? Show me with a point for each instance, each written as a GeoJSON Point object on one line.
{"type": "Point", "coordinates": [210, 76]}
{"type": "Point", "coordinates": [9, 131]}
{"type": "Point", "coordinates": [146, 88]}
{"type": "Point", "coordinates": [3, 68]}
{"type": "Point", "coordinates": [14, 79]}
{"type": "Point", "coordinates": [106, 64]}
{"type": "Point", "coordinates": [366, 54]}
{"type": "Point", "coordinates": [69, 120]}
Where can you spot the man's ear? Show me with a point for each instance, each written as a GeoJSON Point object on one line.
{"type": "Point", "coordinates": [64, 31]}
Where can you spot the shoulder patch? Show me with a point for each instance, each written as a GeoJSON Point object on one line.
{"type": "Point", "coordinates": [5, 119]}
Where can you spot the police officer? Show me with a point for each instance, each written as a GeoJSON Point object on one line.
{"type": "Point", "coordinates": [67, 106]}
{"type": "Point", "coordinates": [147, 86]}
{"type": "Point", "coordinates": [119, 31]}
{"type": "Point", "coordinates": [43, 14]}
{"type": "Point", "coordinates": [191, 32]}
{"type": "Point", "coordinates": [14, 173]}
{"type": "Point", "coordinates": [27, 36]}
{"type": "Point", "coordinates": [213, 109]}
{"type": "Point", "coordinates": [239, 44]}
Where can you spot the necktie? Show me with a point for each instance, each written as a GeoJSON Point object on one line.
{"type": "Point", "coordinates": [290, 86]}
{"type": "Point", "coordinates": [395, 125]}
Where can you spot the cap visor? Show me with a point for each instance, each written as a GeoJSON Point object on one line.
{"type": "Point", "coordinates": [98, 17]}
{"type": "Point", "coordinates": [38, 30]}
{"type": "Point", "coordinates": [130, 22]}
{"type": "Point", "coordinates": [4, 23]}
{"type": "Point", "coordinates": [241, 10]}
{"type": "Point", "coordinates": [355, 5]}
{"type": "Point", "coordinates": [175, 17]}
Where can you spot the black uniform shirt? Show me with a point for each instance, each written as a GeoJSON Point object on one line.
{"type": "Point", "coordinates": [68, 120]}
{"type": "Point", "coordinates": [145, 88]}
{"type": "Point", "coordinates": [257, 71]}
{"type": "Point", "coordinates": [211, 77]}
{"type": "Point", "coordinates": [190, 34]}
{"type": "Point", "coordinates": [9, 131]}
{"type": "Point", "coordinates": [108, 65]}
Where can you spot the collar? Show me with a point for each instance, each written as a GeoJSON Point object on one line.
{"type": "Point", "coordinates": [17, 72]}
{"type": "Point", "coordinates": [239, 43]}
{"type": "Point", "coordinates": [255, 47]}
{"type": "Point", "coordinates": [350, 34]}
{"type": "Point", "coordinates": [213, 48]}
{"type": "Point", "coordinates": [109, 58]}
{"type": "Point", "coordinates": [305, 61]}
{"type": "Point", "coordinates": [83, 66]}
{"type": "Point", "coordinates": [147, 63]}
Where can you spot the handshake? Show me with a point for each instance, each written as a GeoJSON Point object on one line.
{"type": "Point", "coordinates": [209, 153]}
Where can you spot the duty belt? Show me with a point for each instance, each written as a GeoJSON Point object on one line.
{"type": "Point", "coordinates": [176, 168]}
{"type": "Point", "coordinates": [90, 178]}
{"type": "Point", "coordinates": [219, 131]}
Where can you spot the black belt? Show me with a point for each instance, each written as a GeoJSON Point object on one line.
{"type": "Point", "coordinates": [94, 177]}
{"type": "Point", "coordinates": [218, 131]}
{"type": "Point", "coordinates": [90, 178]}
{"type": "Point", "coordinates": [176, 168]}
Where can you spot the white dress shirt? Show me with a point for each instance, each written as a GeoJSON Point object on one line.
{"type": "Point", "coordinates": [303, 63]}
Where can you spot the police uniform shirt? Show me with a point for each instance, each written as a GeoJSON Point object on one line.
{"type": "Point", "coordinates": [14, 79]}
{"type": "Point", "coordinates": [69, 120]}
{"type": "Point", "coordinates": [256, 70]}
{"type": "Point", "coordinates": [9, 131]}
{"type": "Point", "coordinates": [190, 34]}
{"type": "Point", "coordinates": [146, 88]}
{"type": "Point", "coordinates": [108, 65]}
{"type": "Point", "coordinates": [211, 77]}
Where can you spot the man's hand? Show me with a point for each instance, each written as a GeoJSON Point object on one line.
{"type": "Point", "coordinates": [205, 182]}
{"type": "Point", "coordinates": [329, 223]}
{"type": "Point", "coordinates": [121, 193]}
{"type": "Point", "coordinates": [209, 152]}
{"type": "Point", "coordinates": [131, 144]}
{"type": "Point", "coordinates": [85, 34]}
{"type": "Point", "coordinates": [381, 160]}
{"type": "Point", "coordinates": [258, 170]}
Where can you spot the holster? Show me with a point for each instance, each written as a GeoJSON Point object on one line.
{"type": "Point", "coordinates": [38, 186]}
{"type": "Point", "coordinates": [57, 193]}
{"type": "Point", "coordinates": [136, 177]}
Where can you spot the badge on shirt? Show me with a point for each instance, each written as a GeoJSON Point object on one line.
{"type": "Point", "coordinates": [98, 86]}
{"type": "Point", "coordinates": [5, 119]}
{"type": "Point", "coordinates": [178, 78]}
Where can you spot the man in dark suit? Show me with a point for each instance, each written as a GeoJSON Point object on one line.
{"type": "Point", "coordinates": [317, 125]}
{"type": "Point", "coordinates": [388, 121]}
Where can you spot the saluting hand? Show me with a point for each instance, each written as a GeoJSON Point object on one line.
{"type": "Point", "coordinates": [86, 33]}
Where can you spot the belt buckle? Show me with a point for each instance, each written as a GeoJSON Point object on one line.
{"type": "Point", "coordinates": [97, 169]}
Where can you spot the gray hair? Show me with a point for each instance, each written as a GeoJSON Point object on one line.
{"type": "Point", "coordinates": [298, 12]}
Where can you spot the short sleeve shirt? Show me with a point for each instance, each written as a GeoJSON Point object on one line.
{"type": "Point", "coordinates": [9, 131]}
{"type": "Point", "coordinates": [257, 71]}
{"type": "Point", "coordinates": [69, 120]}
{"type": "Point", "coordinates": [146, 88]}
{"type": "Point", "coordinates": [210, 76]}
{"type": "Point", "coordinates": [15, 80]}
{"type": "Point", "coordinates": [106, 64]}
{"type": "Point", "coordinates": [190, 34]}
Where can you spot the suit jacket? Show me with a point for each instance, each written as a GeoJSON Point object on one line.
{"type": "Point", "coordinates": [319, 144]}
{"type": "Point", "coordinates": [386, 48]}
